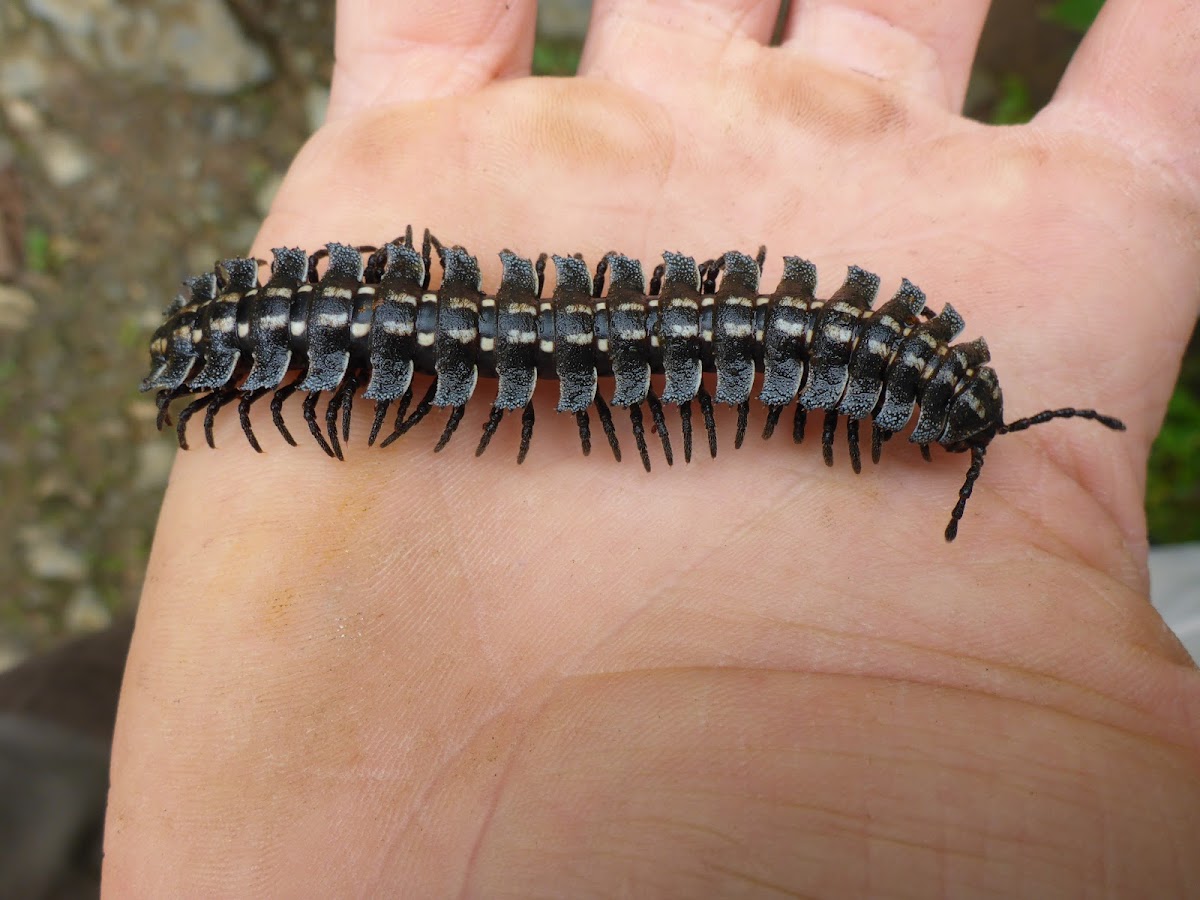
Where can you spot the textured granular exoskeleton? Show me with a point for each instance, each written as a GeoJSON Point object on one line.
{"type": "Point", "coordinates": [370, 319]}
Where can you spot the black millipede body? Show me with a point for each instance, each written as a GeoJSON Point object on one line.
{"type": "Point", "coordinates": [370, 319]}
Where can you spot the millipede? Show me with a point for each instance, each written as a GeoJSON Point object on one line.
{"type": "Point", "coordinates": [368, 317]}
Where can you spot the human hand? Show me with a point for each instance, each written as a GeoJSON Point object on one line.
{"type": "Point", "coordinates": [427, 675]}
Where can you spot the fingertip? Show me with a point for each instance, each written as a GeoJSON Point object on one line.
{"type": "Point", "coordinates": [423, 49]}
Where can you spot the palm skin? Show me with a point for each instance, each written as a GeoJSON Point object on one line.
{"type": "Point", "coordinates": [753, 674]}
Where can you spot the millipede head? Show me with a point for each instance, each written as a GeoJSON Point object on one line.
{"type": "Point", "coordinates": [977, 410]}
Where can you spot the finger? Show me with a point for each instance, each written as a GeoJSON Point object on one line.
{"type": "Point", "coordinates": [391, 52]}
{"type": "Point", "coordinates": [629, 40]}
{"type": "Point", "coordinates": [922, 45]}
{"type": "Point", "coordinates": [1135, 78]}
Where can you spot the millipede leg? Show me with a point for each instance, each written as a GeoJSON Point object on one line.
{"type": "Point", "coordinates": [489, 429]}
{"type": "Point", "coordinates": [526, 432]}
{"type": "Point", "coordinates": [310, 417]}
{"type": "Point", "coordinates": [277, 409]}
{"type": "Point", "coordinates": [878, 436]}
{"type": "Point", "coordinates": [540, 268]}
{"type": "Point", "coordinates": [798, 424]}
{"type": "Point", "coordinates": [852, 439]}
{"type": "Point", "coordinates": [244, 404]}
{"type": "Point", "coordinates": [427, 255]}
{"type": "Point", "coordinates": [598, 279]}
{"type": "Point", "coordinates": [925, 452]}
{"type": "Point", "coordinates": [773, 414]}
{"type": "Point", "coordinates": [402, 408]}
{"type": "Point", "coordinates": [639, 434]}
{"type": "Point", "coordinates": [685, 420]}
{"type": "Point", "coordinates": [964, 493]}
{"type": "Point", "coordinates": [827, 434]}
{"type": "Point", "coordinates": [215, 402]}
{"type": "Point", "coordinates": [422, 410]}
{"type": "Point", "coordinates": [585, 431]}
{"type": "Point", "coordinates": [184, 414]}
{"type": "Point", "coordinates": [381, 408]}
{"type": "Point", "coordinates": [710, 423]}
{"type": "Point", "coordinates": [743, 420]}
{"type": "Point", "coordinates": [660, 425]}
{"type": "Point", "coordinates": [456, 415]}
{"type": "Point", "coordinates": [350, 388]}
{"type": "Point", "coordinates": [163, 402]}
{"type": "Point", "coordinates": [656, 278]}
{"type": "Point", "coordinates": [331, 414]}
{"type": "Point", "coordinates": [606, 422]}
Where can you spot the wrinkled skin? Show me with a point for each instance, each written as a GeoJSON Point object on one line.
{"type": "Point", "coordinates": [435, 675]}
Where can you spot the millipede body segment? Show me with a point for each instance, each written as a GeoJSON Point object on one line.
{"type": "Point", "coordinates": [369, 318]}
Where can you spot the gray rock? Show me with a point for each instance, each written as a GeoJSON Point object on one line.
{"type": "Point", "coordinates": [86, 611]}
{"type": "Point", "coordinates": [16, 308]}
{"type": "Point", "coordinates": [64, 159]}
{"type": "Point", "coordinates": [22, 74]}
{"type": "Point", "coordinates": [23, 115]}
{"type": "Point", "coordinates": [196, 42]}
{"type": "Point", "coordinates": [11, 655]}
{"type": "Point", "coordinates": [48, 557]}
{"type": "Point", "coordinates": [211, 52]}
{"type": "Point", "coordinates": [72, 17]}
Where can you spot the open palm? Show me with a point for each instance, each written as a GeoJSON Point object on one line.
{"type": "Point", "coordinates": [437, 674]}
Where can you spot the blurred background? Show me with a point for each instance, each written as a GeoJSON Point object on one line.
{"type": "Point", "coordinates": [139, 141]}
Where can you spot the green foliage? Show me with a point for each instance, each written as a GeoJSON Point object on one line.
{"type": "Point", "coordinates": [1173, 488]}
{"type": "Point", "coordinates": [556, 57]}
{"type": "Point", "coordinates": [39, 256]}
{"type": "Point", "coordinates": [1077, 15]}
{"type": "Point", "coordinates": [1013, 106]}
